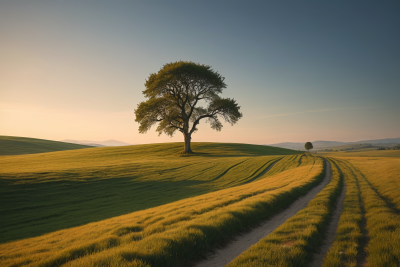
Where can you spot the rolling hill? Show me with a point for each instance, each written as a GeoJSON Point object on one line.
{"type": "Point", "coordinates": [320, 145]}
{"type": "Point", "coordinates": [97, 143]}
{"type": "Point", "coordinates": [12, 145]}
{"type": "Point", "coordinates": [176, 232]}
{"type": "Point", "coordinates": [150, 205]}
{"type": "Point", "coordinates": [63, 189]}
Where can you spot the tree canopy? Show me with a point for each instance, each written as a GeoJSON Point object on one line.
{"type": "Point", "coordinates": [174, 95]}
{"type": "Point", "coordinates": [308, 146]}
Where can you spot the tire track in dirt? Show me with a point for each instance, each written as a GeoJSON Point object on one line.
{"type": "Point", "coordinates": [318, 257]}
{"type": "Point", "coordinates": [241, 243]}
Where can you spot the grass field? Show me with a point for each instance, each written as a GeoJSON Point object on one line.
{"type": "Point", "coordinates": [368, 152]}
{"type": "Point", "coordinates": [179, 207]}
{"type": "Point", "coordinates": [349, 240]}
{"type": "Point", "coordinates": [40, 193]}
{"type": "Point", "coordinates": [369, 227]}
{"type": "Point", "coordinates": [293, 243]}
{"type": "Point", "coordinates": [173, 234]}
{"type": "Point", "coordinates": [11, 145]}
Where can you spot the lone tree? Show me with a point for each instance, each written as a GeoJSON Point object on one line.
{"type": "Point", "coordinates": [308, 146]}
{"type": "Point", "coordinates": [174, 95]}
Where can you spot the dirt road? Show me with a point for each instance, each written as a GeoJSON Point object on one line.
{"type": "Point", "coordinates": [242, 242]}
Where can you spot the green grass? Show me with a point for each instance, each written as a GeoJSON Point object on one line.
{"type": "Point", "coordinates": [295, 241]}
{"type": "Point", "coordinates": [369, 227]}
{"type": "Point", "coordinates": [353, 147]}
{"type": "Point", "coordinates": [348, 238]}
{"type": "Point", "coordinates": [11, 145]}
{"type": "Point", "coordinates": [383, 225]}
{"type": "Point", "coordinates": [367, 152]}
{"type": "Point", "coordinates": [40, 193]}
{"type": "Point", "coordinates": [173, 234]}
{"type": "Point", "coordinates": [383, 174]}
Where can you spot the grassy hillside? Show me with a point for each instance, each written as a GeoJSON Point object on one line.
{"type": "Point", "coordinates": [46, 192]}
{"type": "Point", "coordinates": [353, 147]}
{"type": "Point", "coordinates": [174, 234]}
{"type": "Point", "coordinates": [11, 145]}
{"type": "Point", "coordinates": [362, 153]}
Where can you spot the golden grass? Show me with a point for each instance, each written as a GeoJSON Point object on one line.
{"type": "Point", "coordinates": [383, 222]}
{"type": "Point", "coordinates": [169, 235]}
{"type": "Point", "coordinates": [380, 245]}
{"type": "Point", "coordinates": [383, 174]}
{"type": "Point", "coordinates": [362, 153]}
{"type": "Point", "coordinates": [45, 192]}
{"type": "Point", "coordinates": [293, 243]}
{"type": "Point", "coordinates": [346, 246]}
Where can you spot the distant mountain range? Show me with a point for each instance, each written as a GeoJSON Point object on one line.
{"type": "Point", "coordinates": [97, 143]}
{"type": "Point", "coordinates": [330, 144]}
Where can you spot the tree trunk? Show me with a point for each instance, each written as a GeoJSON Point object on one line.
{"type": "Point", "coordinates": [187, 150]}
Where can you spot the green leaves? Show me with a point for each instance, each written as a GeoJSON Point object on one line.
{"type": "Point", "coordinates": [308, 146]}
{"type": "Point", "coordinates": [173, 97]}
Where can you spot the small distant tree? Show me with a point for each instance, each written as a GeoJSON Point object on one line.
{"type": "Point", "coordinates": [308, 146]}
{"type": "Point", "coordinates": [397, 146]}
{"type": "Point", "coordinates": [175, 95]}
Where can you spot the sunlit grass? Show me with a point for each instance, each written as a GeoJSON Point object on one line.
{"type": "Point", "coordinates": [346, 246]}
{"type": "Point", "coordinates": [173, 234]}
{"type": "Point", "coordinates": [382, 216]}
{"type": "Point", "coordinates": [383, 174]}
{"type": "Point", "coordinates": [45, 192]}
{"type": "Point", "coordinates": [293, 243]}
{"type": "Point", "coordinates": [383, 224]}
{"type": "Point", "coordinates": [362, 153]}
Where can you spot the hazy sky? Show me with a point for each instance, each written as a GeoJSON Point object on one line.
{"type": "Point", "coordinates": [300, 70]}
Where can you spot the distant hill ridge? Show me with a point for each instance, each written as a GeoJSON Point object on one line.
{"type": "Point", "coordinates": [12, 145]}
{"type": "Point", "coordinates": [321, 144]}
{"type": "Point", "coordinates": [110, 142]}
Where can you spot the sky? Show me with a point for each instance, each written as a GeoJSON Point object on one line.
{"type": "Point", "coordinates": [300, 70]}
